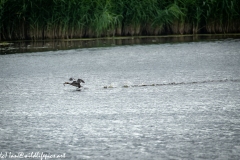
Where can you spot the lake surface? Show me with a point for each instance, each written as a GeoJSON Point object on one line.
{"type": "Point", "coordinates": [160, 101]}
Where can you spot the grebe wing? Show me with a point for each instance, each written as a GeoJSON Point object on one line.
{"type": "Point", "coordinates": [80, 80]}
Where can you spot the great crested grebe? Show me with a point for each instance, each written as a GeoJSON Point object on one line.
{"type": "Point", "coordinates": [74, 82]}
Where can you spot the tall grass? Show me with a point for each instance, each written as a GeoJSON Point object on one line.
{"type": "Point", "coordinates": [42, 19]}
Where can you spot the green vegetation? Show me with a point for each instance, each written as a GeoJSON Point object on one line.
{"type": "Point", "coordinates": [40, 19]}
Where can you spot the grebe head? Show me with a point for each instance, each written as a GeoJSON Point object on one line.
{"type": "Point", "coordinates": [71, 79]}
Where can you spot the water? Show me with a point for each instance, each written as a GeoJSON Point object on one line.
{"type": "Point", "coordinates": [161, 101]}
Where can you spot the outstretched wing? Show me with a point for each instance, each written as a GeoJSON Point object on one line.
{"type": "Point", "coordinates": [80, 80]}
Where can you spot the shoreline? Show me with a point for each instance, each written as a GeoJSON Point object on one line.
{"type": "Point", "coordinates": [125, 37]}
{"type": "Point", "coordinates": [26, 46]}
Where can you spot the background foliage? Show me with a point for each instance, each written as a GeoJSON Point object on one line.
{"type": "Point", "coordinates": [40, 19]}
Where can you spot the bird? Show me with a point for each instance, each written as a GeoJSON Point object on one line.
{"type": "Point", "coordinates": [74, 82]}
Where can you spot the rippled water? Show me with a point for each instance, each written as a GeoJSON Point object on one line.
{"type": "Point", "coordinates": [162, 101]}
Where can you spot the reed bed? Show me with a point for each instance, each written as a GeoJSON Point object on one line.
{"type": "Point", "coordinates": [67, 19]}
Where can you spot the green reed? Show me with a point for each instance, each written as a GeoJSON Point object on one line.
{"type": "Point", "coordinates": [63, 19]}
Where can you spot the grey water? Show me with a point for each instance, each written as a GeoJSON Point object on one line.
{"type": "Point", "coordinates": [120, 113]}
